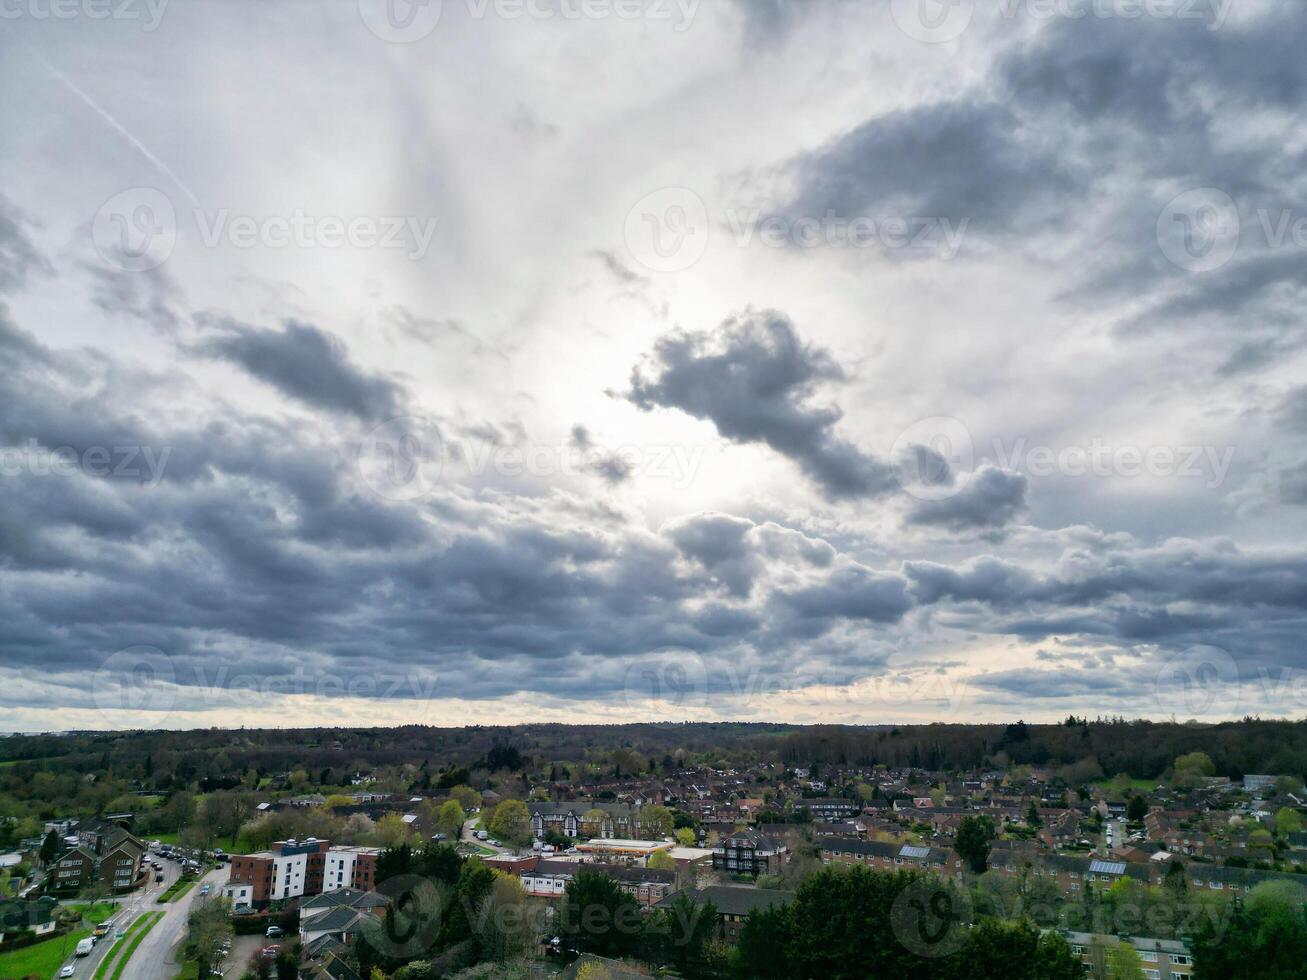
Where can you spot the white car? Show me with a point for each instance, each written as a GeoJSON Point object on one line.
{"type": "Point", "coordinates": [67, 971]}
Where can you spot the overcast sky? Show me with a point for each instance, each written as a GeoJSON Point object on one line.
{"type": "Point", "coordinates": [367, 362]}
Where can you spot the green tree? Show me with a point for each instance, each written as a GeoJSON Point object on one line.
{"type": "Point", "coordinates": [662, 861]}
{"type": "Point", "coordinates": [597, 916]}
{"type": "Point", "coordinates": [1264, 937]}
{"type": "Point", "coordinates": [1287, 821]}
{"type": "Point", "coordinates": [973, 842]}
{"type": "Point", "coordinates": [1136, 809]}
{"type": "Point", "coordinates": [512, 823]}
{"type": "Point", "coordinates": [656, 822]}
{"type": "Point", "coordinates": [1123, 962]}
{"type": "Point", "coordinates": [50, 847]}
{"type": "Point", "coordinates": [1014, 951]}
{"type": "Point", "coordinates": [468, 798]}
{"type": "Point", "coordinates": [450, 817]}
{"type": "Point", "coordinates": [681, 936]}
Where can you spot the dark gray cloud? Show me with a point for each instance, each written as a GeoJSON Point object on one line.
{"type": "Point", "coordinates": [753, 379]}
{"type": "Point", "coordinates": [989, 498]}
{"type": "Point", "coordinates": [962, 161]}
{"type": "Point", "coordinates": [306, 363]}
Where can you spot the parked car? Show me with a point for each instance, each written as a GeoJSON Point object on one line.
{"type": "Point", "coordinates": [270, 951]}
{"type": "Point", "coordinates": [273, 932]}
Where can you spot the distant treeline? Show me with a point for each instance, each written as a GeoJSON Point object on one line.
{"type": "Point", "coordinates": [1142, 749]}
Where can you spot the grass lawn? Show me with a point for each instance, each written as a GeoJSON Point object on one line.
{"type": "Point", "coordinates": [94, 914]}
{"type": "Point", "coordinates": [43, 959]}
{"type": "Point", "coordinates": [177, 889]}
{"type": "Point", "coordinates": [190, 971]}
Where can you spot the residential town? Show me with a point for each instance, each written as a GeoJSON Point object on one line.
{"type": "Point", "coordinates": [1117, 874]}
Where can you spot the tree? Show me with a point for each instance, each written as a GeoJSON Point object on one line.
{"type": "Point", "coordinates": [225, 812]}
{"type": "Point", "coordinates": [685, 837]}
{"type": "Point", "coordinates": [1015, 950]}
{"type": "Point", "coordinates": [1032, 814]}
{"type": "Point", "coordinates": [503, 926]}
{"type": "Point", "coordinates": [1123, 962]}
{"type": "Point", "coordinates": [50, 847]}
{"type": "Point", "coordinates": [391, 831]}
{"type": "Point", "coordinates": [1136, 809]}
{"type": "Point", "coordinates": [656, 822]}
{"type": "Point", "coordinates": [662, 861]}
{"type": "Point", "coordinates": [680, 936]}
{"type": "Point", "coordinates": [597, 916]}
{"type": "Point", "coordinates": [208, 927]}
{"type": "Point", "coordinates": [1264, 937]}
{"type": "Point", "coordinates": [468, 798]}
{"type": "Point", "coordinates": [512, 823]}
{"type": "Point", "coordinates": [450, 817]}
{"type": "Point", "coordinates": [973, 842]}
{"type": "Point", "coordinates": [1287, 821]}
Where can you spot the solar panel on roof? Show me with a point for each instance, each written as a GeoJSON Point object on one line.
{"type": "Point", "coordinates": [912, 851]}
{"type": "Point", "coordinates": [1107, 867]}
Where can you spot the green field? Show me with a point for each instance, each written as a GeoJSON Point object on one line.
{"type": "Point", "coordinates": [41, 960]}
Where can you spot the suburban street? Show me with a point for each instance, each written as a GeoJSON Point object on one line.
{"type": "Point", "coordinates": [153, 959]}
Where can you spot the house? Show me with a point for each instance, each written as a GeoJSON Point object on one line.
{"type": "Point", "coordinates": [1161, 959]}
{"type": "Point", "coordinates": [548, 879]}
{"type": "Point", "coordinates": [297, 868]}
{"type": "Point", "coordinates": [750, 853]}
{"type": "Point", "coordinates": [733, 903]}
{"type": "Point", "coordinates": [827, 809]}
{"type": "Point", "coordinates": [339, 915]}
{"type": "Point", "coordinates": [104, 853]}
{"type": "Point", "coordinates": [73, 870]}
{"type": "Point", "coordinates": [20, 915]}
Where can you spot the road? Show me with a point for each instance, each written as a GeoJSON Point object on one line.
{"type": "Point", "coordinates": [155, 958]}
{"type": "Point", "coordinates": [469, 835]}
{"type": "Point", "coordinates": [130, 906]}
